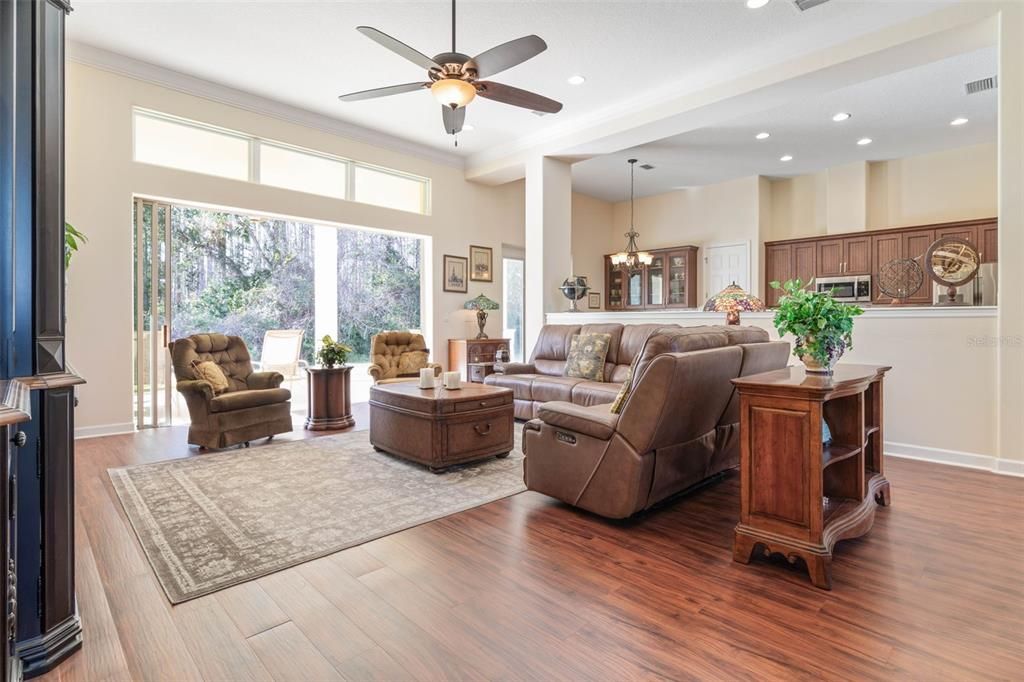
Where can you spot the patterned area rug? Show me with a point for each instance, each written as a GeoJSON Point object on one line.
{"type": "Point", "coordinates": [215, 520]}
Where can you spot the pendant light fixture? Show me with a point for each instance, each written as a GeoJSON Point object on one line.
{"type": "Point", "coordinates": [632, 259]}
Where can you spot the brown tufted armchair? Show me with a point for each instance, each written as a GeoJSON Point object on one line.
{"type": "Point", "coordinates": [399, 356]}
{"type": "Point", "coordinates": [253, 406]}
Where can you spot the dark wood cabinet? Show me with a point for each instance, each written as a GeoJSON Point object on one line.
{"type": "Point", "coordinates": [864, 253]}
{"type": "Point", "coordinates": [670, 281]}
{"type": "Point", "coordinates": [471, 357]}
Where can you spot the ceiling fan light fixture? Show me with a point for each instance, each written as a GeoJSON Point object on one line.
{"type": "Point", "coordinates": [453, 92]}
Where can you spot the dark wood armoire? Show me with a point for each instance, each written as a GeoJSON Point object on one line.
{"type": "Point", "coordinates": [36, 390]}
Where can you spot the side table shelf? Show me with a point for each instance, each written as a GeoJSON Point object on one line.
{"type": "Point", "coordinates": [800, 497]}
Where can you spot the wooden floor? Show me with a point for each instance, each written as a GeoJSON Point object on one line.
{"type": "Point", "coordinates": [527, 588]}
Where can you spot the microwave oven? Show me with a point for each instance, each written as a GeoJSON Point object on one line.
{"type": "Point", "coordinates": [852, 288]}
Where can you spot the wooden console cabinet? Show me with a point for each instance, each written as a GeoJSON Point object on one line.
{"type": "Point", "coordinates": [798, 496]}
{"type": "Point", "coordinates": [670, 281]}
{"type": "Point", "coordinates": [474, 357]}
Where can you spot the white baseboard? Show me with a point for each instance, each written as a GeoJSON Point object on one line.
{"type": "Point", "coordinates": [104, 430]}
{"type": "Point", "coordinates": [968, 460]}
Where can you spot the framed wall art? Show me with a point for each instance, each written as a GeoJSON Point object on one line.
{"type": "Point", "coordinates": [481, 264]}
{"type": "Point", "coordinates": [456, 274]}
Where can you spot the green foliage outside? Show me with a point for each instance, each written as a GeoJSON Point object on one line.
{"type": "Point", "coordinates": [823, 326]}
{"type": "Point", "coordinates": [243, 276]}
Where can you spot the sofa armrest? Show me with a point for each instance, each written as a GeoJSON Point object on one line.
{"type": "Point", "coordinates": [375, 371]}
{"type": "Point", "coordinates": [196, 387]}
{"type": "Point", "coordinates": [261, 380]}
{"type": "Point", "coordinates": [596, 421]}
{"type": "Point", "coordinates": [514, 368]}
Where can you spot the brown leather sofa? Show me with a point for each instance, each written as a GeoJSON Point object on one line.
{"type": "Point", "coordinates": [254, 405]}
{"type": "Point", "coordinates": [678, 427]}
{"type": "Point", "coordinates": [541, 380]}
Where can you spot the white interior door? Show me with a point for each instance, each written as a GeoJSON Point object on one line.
{"type": "Point", "coordinates": [725, 264]}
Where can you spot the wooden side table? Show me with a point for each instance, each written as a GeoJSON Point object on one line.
{"type": "Point", "coordinates": [464, 352]}
{"type": "Point", "coordinates": [329, 391]}
{"type": "Point", "coordinates": [798, 496]}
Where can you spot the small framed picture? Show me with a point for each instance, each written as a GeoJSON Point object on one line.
{"type": "Point", "coordinates": [594, 300]}
{"type": "Point", "coordinates": [456, 271]}
{"type": "Point", "coordinates": [481, 264]}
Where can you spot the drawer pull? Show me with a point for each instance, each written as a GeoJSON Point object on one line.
{"type": "Point", "coordinates": [482, 430]}
{"type": "Point", "coordinates": [483, 403]}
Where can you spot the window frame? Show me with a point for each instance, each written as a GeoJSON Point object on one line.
{"type": "Point", "coordinates": [255, 143]}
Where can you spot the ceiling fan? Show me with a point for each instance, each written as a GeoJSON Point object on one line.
{"type": "Point", "coordinates": [455, 77]}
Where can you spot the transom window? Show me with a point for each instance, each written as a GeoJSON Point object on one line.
{"type": "Point", "coordinates": [164, 140]}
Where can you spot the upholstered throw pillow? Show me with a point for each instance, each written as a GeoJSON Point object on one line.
{"type": "Point", "coordinates": [211, 372]}
{"type": "Point", "coordinates": [587, 353]}
{"type": "Point", "coordinates": [627, 387]}
{"type": "Point", "coordinates": [412, 361]}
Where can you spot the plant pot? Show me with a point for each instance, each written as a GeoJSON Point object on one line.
{"type": "Point", "coordinates": [812, 365]}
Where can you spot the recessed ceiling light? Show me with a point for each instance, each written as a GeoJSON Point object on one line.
{"type": "Point", "coordinates": [576, 80]}
{"type": "Point", "coordinates": [469, 127]}
{"type": "Point", "coordinates": [757, 4]}
{"type": "Point", "coordinates": [787, 157]}
{"type": "Point", "coordinates": [841, 116]}
{"type": "Point", "coordinates": [763, 136]}
{"type": "Point", "coordinates": [864, 141]}
{"type": "Point", "coordinates": [958, 121]}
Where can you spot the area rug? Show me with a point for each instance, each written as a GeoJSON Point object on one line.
{"type": "Point", "coordinates": [215, 520]}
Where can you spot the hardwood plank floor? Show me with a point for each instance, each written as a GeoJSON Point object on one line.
{"type": "Point", "coordinates": [527, 588]}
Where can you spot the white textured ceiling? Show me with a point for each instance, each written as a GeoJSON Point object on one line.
{"type": "Point", "coordinates": [904, 114]}
{"type": "Point", "coordinates": [306, 53]}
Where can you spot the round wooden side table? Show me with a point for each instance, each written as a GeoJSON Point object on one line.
{"type": "Point", "coordinates": [329, 390]}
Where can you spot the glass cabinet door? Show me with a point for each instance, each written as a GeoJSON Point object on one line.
{"type": "Point", "coordinates": [615, 284]}
{"type": "Point", "coordinates": [656, 282]}
{"type": "Point", "coordinates": [635, 290]}
{"type": "Point", "coordinates": [677, 276]}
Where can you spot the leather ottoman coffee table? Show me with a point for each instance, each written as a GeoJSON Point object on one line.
{"type": "Point", "coordinates": [440, 427]}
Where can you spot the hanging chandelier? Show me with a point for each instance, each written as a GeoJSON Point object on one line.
{"type": "Point", "coordinates": [632, 259]}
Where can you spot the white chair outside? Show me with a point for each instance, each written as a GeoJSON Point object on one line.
{"type": "Point", "coordinates": [282, 352]}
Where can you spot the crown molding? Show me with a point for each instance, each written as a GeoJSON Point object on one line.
{"type": "Point", "coordinates": [122, 65]}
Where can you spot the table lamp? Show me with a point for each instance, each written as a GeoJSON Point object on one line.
{"type": "Point", "coordinates": [731, 300]}
{"type": "Point", "coordinates": [481, 304]}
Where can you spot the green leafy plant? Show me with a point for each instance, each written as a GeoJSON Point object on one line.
{"type": "Point", "coordinates": [73, 240]}
{"type": "Point", "coordinates": [823, 326]}
{"type": "Point", "coordinates": [332, 352]}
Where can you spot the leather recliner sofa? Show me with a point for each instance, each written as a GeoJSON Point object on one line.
{"type": "Point", "coordinates": [541, 380]}
{"type": "Point", "coordinates": [678, 427]}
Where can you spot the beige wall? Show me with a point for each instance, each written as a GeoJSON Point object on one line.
{"type": "Point", "coordinates": [593, 233]}
{"type": "Point", "coordinates": [847, 198]}
{"type": "Point", "coordinates": [956, 184]}
{"type": "Point", "coordinates": [723, 213]}
{"type": "Point", "coordinates": [102, 179]}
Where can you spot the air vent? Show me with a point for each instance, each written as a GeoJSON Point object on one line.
{"type": "Point", "coordinates": [646, 166]}
{"type": "Point", "coordinates": [804, 5]}
{"type": "Point", "coordinates": [981, 85]}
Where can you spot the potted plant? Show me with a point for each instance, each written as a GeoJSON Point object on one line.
{"type": "Point", "coordinates": [332, 352]}
{"type": "Point", "coordinates": [823, 326]}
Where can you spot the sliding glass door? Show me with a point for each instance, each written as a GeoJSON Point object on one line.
{"type": "Point", "coordinates": [153, 375]}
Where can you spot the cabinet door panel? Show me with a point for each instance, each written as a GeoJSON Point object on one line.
{"type": "Point", "coordinates": [616, 285]}
{"type": "Point", "coordinates": [681, 280]}
{"type": "Point", "coordinates": [885, 248]}
{"type": "Point", "coordinates": [634, 290]}
{"type": "Point", "coordinates": [830, 257]}
{"type": "Point", "coordinates": [989, 243]}
{"type": "Point", "coordinates": [915, 244]}
{"type": "Point", "coordinates": [778, 267]}
{"type": "Point", "coordinates": [654, 282]}
{"type": "Point", "coordinates": [804, 262]}
{"type": "Point", "coordinates": [969, 232]}
{"type": "Point", "coordinates": [857, 255]}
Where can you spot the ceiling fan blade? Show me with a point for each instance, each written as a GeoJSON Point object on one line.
{"type": "Point", "coordinates": [507, 55]}
{"type": "Point", "coordinates": [398, 47]}
{"type": "Point", "coordinates": [382, 92]}
{"type": "Point", "coordinates": [453, 119]}
{"type": "Point", "coordinates": [506, 94]}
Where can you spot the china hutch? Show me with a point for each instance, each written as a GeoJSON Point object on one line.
{"type": "Point", "coordinates": [670, 281]}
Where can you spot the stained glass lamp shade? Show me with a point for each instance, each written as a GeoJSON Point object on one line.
{"type": "Point", "coordinates": [481, 304]}
{"type": "Point", "coordinates": [731, 300]}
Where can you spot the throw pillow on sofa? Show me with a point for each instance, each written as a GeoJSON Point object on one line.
{"type": "Point", "coordinates": [211, 372]}
{"type": "Point", "coordinates": [587, 353]}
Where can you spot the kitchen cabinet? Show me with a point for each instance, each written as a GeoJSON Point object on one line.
{"type": "Point", "coordinates": [670, 281]}
{"type": "Point", "coordinates": [864, 253]}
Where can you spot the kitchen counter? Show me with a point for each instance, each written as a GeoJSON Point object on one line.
{"type": "Point", "coordinates": [695, 316]}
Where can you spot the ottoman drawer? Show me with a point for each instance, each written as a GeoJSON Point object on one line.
{"type": "Point", "coordinates": [492, 432]}
{"type": "Point", "coordinates": [483, 404]}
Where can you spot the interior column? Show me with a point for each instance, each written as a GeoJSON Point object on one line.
{"type": "Point", "coordinates": [325, 282]}
{"type": "Point", "coordinates": [1010, 344]}
{"type": "Point", "coordinates": [548, 242]}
